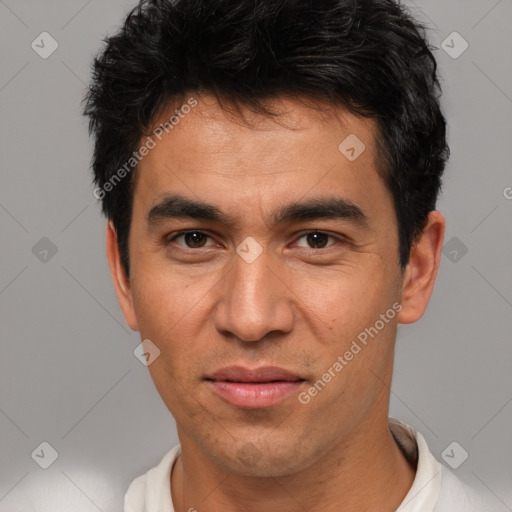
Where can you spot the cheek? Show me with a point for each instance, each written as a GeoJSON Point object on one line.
{"type": "Point", "coordinates": [171, 311]}
{"type": "Point", "coordinates": [346, 322]}
{"type": "Point", "coordinates": [340, 304]}
{"type": "Point", "coordinates": [164, 300]}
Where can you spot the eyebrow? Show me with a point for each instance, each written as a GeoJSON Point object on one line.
{"type": "Point", "coordinates": [178, 206]}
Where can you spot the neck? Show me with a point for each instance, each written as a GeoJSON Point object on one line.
{"type": "Point", "coordinates": [363, 472]}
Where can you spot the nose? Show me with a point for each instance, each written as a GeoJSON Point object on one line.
{"type": "Point", "coordinates": [254, 300]}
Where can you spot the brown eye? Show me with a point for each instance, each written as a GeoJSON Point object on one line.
{"type": "Point", "coordinates": [316, 239]}
{"type": "Point", "coordinates": [192, 239]}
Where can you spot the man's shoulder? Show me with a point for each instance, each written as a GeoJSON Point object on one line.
{"type": "Point", "coordinates": [455, 495]}
{"type": "Point", "coordinates": [436, 488]}
{"type": "Point", "coordinates": [135, 495]}
{"type": "Point", "coordinates": [152, 490]}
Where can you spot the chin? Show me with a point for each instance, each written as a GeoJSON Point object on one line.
{"type": "Point", "coordinates": [262, 461]}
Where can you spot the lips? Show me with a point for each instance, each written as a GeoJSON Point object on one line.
{"type": "Point", "coordinates": [262, 374]}
{"type": "Point", "coordinates": [254, 388]}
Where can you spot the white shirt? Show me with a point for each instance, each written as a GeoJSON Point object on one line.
{"type": "Point", "coordinates": [435, 488]}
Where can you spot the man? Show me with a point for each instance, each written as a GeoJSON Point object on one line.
{"type": "Point", "coordinates": [269, 171]}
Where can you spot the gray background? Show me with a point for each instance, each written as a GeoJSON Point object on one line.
{"type": "Point", "coordinates": [68, 375]}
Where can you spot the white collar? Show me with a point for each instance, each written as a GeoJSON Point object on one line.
{"type": "Point", "coordinates": [424, 492]}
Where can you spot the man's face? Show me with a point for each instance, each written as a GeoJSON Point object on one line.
{"type": "Point", "coordinates": [298, 305]}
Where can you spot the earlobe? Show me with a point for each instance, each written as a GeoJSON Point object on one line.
{"type": "Point", "coordinates": [421, 271]}
{"type": "Point", "coordinates": [120, 279]}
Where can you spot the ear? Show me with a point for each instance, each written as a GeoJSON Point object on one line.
{"type": "Point", "coordinates": [121, 281]}
{"type": "Point", "coordinates": [421, 271]}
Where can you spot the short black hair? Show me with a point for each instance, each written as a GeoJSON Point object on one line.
{"type": "Point", "coordinates": [371, 57]}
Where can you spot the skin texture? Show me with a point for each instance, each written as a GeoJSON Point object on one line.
{"type": "Point", "coordinates": [296, 306]}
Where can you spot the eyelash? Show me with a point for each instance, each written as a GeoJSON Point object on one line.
{"type": "Point", "coordinates": [182, 233]}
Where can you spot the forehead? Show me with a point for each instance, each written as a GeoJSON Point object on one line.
{"type": "Point", "coordinates": [242, 159]}
{"type": "Point", "coordinates": [310, 123]}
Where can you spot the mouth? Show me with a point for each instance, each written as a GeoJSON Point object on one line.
{"type": "Point", "coordinates": [254, 389]}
